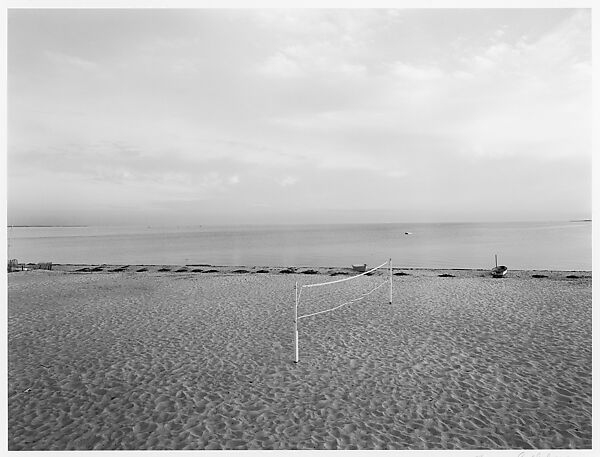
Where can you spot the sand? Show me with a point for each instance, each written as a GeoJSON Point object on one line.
{"type": "Point", "coordinates": [190, 360]}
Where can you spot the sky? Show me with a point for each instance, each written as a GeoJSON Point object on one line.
{"type": "Point", "coordinates": [205, 116]}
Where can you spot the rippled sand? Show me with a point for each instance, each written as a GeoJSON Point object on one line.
{"type": "Point", "coordinates": [153, 360]}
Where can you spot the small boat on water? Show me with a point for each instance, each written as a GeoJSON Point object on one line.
{"type": "Point", "coordinates": [499, 270]}
{"type": "Point", "coordinates": [360, 267]}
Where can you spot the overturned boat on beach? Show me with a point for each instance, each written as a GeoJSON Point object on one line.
{"type": "Point", "coordinates": [499, 270]}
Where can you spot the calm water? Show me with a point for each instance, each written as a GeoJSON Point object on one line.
{"type": "Point", "coordinates": [546, 245]}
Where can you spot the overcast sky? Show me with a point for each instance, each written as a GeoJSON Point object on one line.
{"type": "Point", "coordinates": [161, 117]}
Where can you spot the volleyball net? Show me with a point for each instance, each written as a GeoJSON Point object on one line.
{"type": "Point", "coordinates": [322, 298]}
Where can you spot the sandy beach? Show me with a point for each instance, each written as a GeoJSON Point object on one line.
{"type": "Point", "coordinates": [113, 357]}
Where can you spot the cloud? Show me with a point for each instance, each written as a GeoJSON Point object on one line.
{"type": "Point", "coordinates": [416, 72]}
{"type": "Point", "coordinates": [288, 181]}
{"type": "Point", "coordinates": [69, 60]}
{"type": "Point", "coordinates": [318, 43]}
{"type": "Point", "coordinates": [536, 95]}
{"type": "Point", "coordinates": [312, 60]}
{"type": "Point", "coordinates": [126, 165]}
{"type": "Point", "coordinates": [280, 66]}
{"type": "Point", "coordinates": [509, 97]}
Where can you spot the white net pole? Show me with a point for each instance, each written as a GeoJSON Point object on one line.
{"type": "Point", "coordinates": [296, 324]}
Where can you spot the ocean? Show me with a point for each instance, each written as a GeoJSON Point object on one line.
{"type": "Point", "coordinates": [519, 245]}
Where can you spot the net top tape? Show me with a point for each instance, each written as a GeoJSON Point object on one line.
{"type": "Point", "coordinates": [345, 279]}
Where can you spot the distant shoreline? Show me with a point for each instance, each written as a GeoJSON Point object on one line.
{"type": "Point", "coordinates": [303, 270]}
{"type": "Point", "coordinates": [213, 226]}
{"type": "Point", "coordinates": [47, 226]}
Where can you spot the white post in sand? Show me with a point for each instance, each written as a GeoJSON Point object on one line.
{"type": "Point", "coordinates": [296, 323]}
{"type": "Point", "coordinates": [390, 281]}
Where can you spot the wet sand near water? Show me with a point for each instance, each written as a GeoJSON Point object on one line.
{"type": "Point", "coordinates": [183, 360]}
